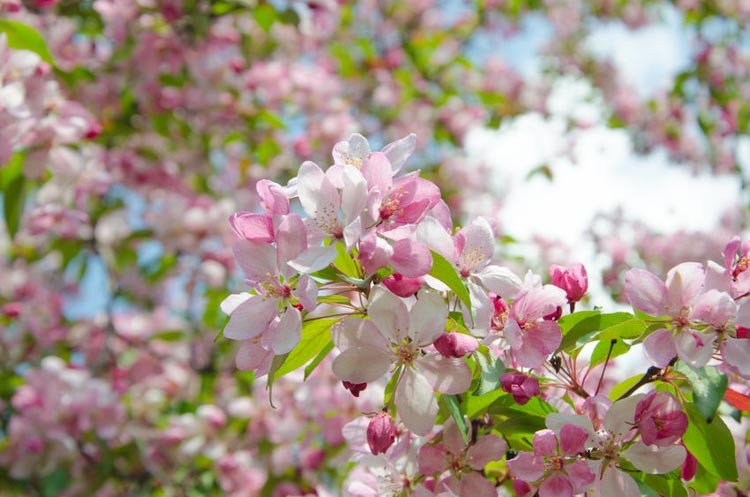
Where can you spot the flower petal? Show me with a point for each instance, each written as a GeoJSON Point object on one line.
{"type": "Point", "coordinates": [447, 374]}
{"type": "Point", "coordinates": [250, 318]}
{"type": "Point", "coordinates": [653, 459]}
{"type": "Point", "coordinates": [389, 313]}
{"type": "Point", "coordinates": [427, 318]}
{"type": "Point", "coordinates": [659, 347]}
{"type": "Point", "coordinates": [415, 402]}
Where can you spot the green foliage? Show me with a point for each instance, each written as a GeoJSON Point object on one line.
{"type": "Point", "coordinates": [709, 386]}
{"type": "Point", "coordinates": [454, 408]}
{"type": "Point", "coordinates": [14, 187]}
{"type": "Point", "coordinates": [711, 443]}
{"type": "Point", "coordinates": [316, 335]}
{"type": "Point", "coordinates": [444, 271]}
{"type": "Point", "coordinates": [23, 37]}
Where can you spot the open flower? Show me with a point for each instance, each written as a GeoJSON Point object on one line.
{"type": "Point", "coordinates": [397, 334]}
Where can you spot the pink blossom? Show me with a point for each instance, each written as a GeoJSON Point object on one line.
{"type": "Point", "coordinates": [572, 279]}
{"type": "Point", "coordinates": [381, 433]}
{"type": "Point", "coordinates": [554, 465]}
{"type": "Point", "coordinates": [456, 344]}
{"type": "Point", "coordinates": [660, 419]}
{"type": "Point", "coordinates": [398, 333]}
{"type": "Point", "coordinates": [523, 387]}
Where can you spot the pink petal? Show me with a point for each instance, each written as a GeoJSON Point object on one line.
{"type": "Point", "coordinates": [573, 439]}
{"type": "Point", "coordinates": [398, 151]}
{"type": "Point", "coordinates": [411, 258]}
{"type": "Point", "coordinates": [556, 485]}
{"type": "Point", "coordinates": [257, 259]}
{"type": "Point", "coordinates": [527, 467]}
{"type": "Point", "coordinates": [285, 335]}
{"type": "Point", "coordinates": [488, 448]}
{"type": "Point", "coordinates": [254, 227]}
{"type": "Point", "coordinates": [736, 353]}
{"type": "Point", "coordinates": [252, 356]}
{"type": "Point", "coordinates": [291, 239]}
{"type": "Point", "coordinates": [361, 365]}
{"type": "Point", "coordinates": [538, 342]}
{"type": "Point", "coordinates": [694, 347]}
{"type": "Point", "coordinates": [356, 332]}
{"type": "Point", "coordinates": [307, 293]}
{"type": "Point", "coordinates": [580, 476]}
{"type": "Point", "coordinates": [377, 171]}
{"type": "Point", "coordinates": [659, 347]}
{"type": "Point", "coordinates": [272, 198]}
{"type": "Point", "coordinates": [684, 284]}
{"type": "Point", "coordinates": [432, 459]}
{"type": "Point", "coordinates": [415, 402]}
{"type": "Point", "coordinates": [478, 243]}
{"type": "Point", "coordinates": [250, 318]}
{"type": "Point", "coordinates": [545, 443]}
{"type": "Point", "coordinates": [476, 485]}
{"type": "Point", "coordinates": [448, 375]}
{"type": "Point", "coordinates": [353, 194]}
{"type": "Point", "coordinates": [646, 292]}
{"type": "Point", "coordinates": [715, 308]}
{"type": "Point", "coordinates": [452, 438]}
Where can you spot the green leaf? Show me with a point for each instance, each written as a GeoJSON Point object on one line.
{"type": "Point", "coordinates": [668, 485]}
{"type": "Point", "coordinates": [709, 386]}
{"type": "Point", "coordinates": [622, 387]}
{"type": "Point", "coordinates": [712, 444]}
{"type": "Point", "coordinates": [322, 355]}
{"type": "Point", "coordinates": [443, 270]}
{"type": "Point", "coordinates": [344, 262]}
{"type": "Point", "coordinates": [23, 37]}
{"type": "Point", "coordinates": [169, 336]}
{"type": "Point", "coordinates": [454, 407]}
{"type": "Point", "coordinates": [264, 15]}
{"type": "Point", "coordinates": [476, 404]}
{"type": "Point", "coordinates": [490, 368]}
{"type": "Point", "coordinates": [55, 483]}
{"type": "Point", "coordinates": [14, 192]}
{"type": "Point", "coordinates": [316, 335]}
{"type": "Point", "coordinates": [278, 362]}
{"type": "Point", "coordinates": [632, 328]}
{"type": "Point", "coordinates": [579, 327]}
{"type": "Point", "coordinates": [599, 355]}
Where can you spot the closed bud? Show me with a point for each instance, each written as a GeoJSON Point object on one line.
{"type": "Point", "coordinates": [573, 279]}
{"type": "Point", "coordinates": [456, 344]}
{"type": "Point", "coordinates": [402, 285]}
{"type": "Point", "coordinates": [354, 388]}
{"type": "Point", "coordinates": [523, 387]}
{"type": "Point", "coordinates": [381, 433]}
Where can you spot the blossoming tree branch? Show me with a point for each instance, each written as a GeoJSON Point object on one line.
{"type": "Point", "coordinates": [488, 379]}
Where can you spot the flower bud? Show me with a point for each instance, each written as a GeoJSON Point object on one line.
{"type": "Point", "coordinates": [660, 419]}
{"type": "Point", "coordinates": [381, 433]}
{"type": "Point", "coordinates": [572, 279]}
{"type": "Point", "coordinates": [521, 386]}
{"type": "Point", "coordinates": [456, 344]}
{"type": "Point", "coordinates": [354, 388]}
{"type": "Point", "coordinates": [402, 285]}
{"type": "Point", "coordinates": [689, 467]}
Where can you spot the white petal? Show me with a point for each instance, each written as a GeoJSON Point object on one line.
{"type": "Point", "coordinates": [415, 402]}
{"type": "Point", "coordinates": [427, 318]}
{"type": "Point", "coordinates": [389, 313]}
{"type": "Point", "coordinates": [654, 459]}
{"type": "Point", "coordinates": [618, 483]}
{"type": "Point", "coordinates": [621, 416]}
{"type": "Point", "coordinates": [229, 304]}
{"type": "Point", "coordinates": [250, 318]}
{"type": "Point", "coordinates": [285, 335]}
{"type": "Point", "coordinates": [314, 259]}
{"type": "Point", "coordinates": [501, 281]}
{"type": "Point", "coordinates": [447, 375]}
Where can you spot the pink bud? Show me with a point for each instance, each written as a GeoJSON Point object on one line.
{"type": "Point", "coordinates": [554, 316]}
{"type": "Point", "coordinates": [312, 459]}
{"type": "Point", "coordinates": [456, 344]}
{"type": "Point", "coordinates": [689, 467]}
{"type": "Point", "coordinates": [522, 489]}
{"type": "Point", "coordinates": [572, 279]}
{"type": "Point", "coordinates": [521, 386]}
{"type": "Point", "coordinates": [354, 388]}
{"type": "Point", "coordinates": [660, 419]}
{"type": "Point", "coordinates": [403, 286]}
{"type": "Point", "coordinates": [381, 433]}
